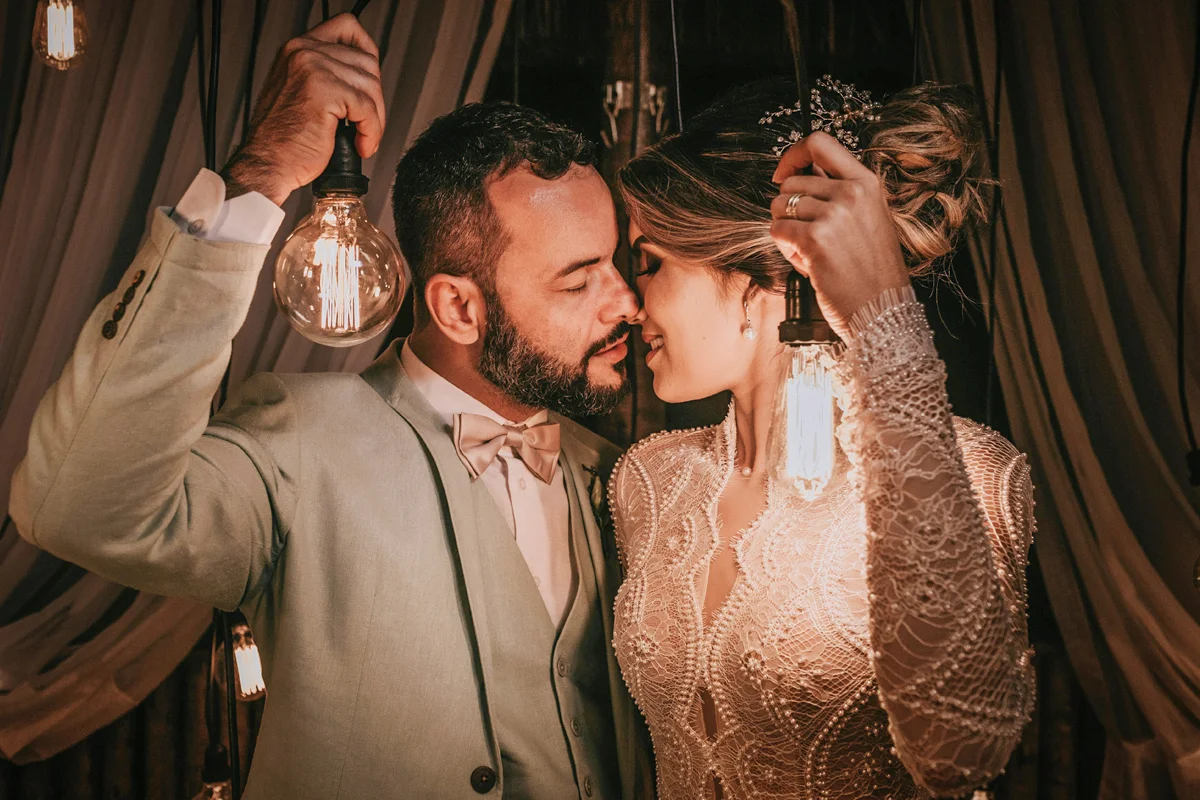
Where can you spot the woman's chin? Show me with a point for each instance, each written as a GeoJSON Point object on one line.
{"type": "Point", "coordinates": [669, 391]}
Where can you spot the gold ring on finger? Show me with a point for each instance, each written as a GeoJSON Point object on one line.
{"type": "Point", "coordinates": [790, 209]}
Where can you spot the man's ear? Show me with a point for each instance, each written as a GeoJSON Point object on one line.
{"type": "Point", "coordinates": [457, 307]}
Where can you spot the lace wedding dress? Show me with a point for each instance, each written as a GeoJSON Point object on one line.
{"type": "Point", "coordinates": [874, 643]}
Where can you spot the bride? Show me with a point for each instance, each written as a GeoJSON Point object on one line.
{"type": "Point", "coordinates": [871, 643]}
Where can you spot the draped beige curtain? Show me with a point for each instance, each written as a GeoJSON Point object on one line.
{"type": "Point", "coordinates": [92, 151]}
{"type": "Point", "coordinates": [1092, 113]}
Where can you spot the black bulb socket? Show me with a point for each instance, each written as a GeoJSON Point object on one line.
{"type": "Point", "coordinates": [216, 764]}
{"type": "Point", "coordinates": [343, 174]}
{"type": "Point", "coordinates": [805, 324]}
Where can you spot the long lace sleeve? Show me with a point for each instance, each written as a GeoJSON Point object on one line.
{"type": "Point", "coordinates": [945, 567]}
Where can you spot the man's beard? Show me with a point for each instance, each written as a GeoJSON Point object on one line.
{"type": "Point", "coordinates": [540, 380]}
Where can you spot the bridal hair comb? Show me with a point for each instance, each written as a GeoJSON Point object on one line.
{"type": "Point", "coordinates": [837, 108]}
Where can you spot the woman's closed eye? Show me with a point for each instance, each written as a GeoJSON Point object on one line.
{"type": "Point", "coordinates": [649, 264]}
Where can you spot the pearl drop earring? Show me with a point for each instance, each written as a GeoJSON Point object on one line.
{"type": "Point", "coordinates": [748, 328]}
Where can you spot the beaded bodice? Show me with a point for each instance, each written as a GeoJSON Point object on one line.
{"type": "Point", "coordinates": [873, 644]}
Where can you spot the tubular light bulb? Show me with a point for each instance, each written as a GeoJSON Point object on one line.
{"type": "Point", "coordinates": [247, 664]}
{"type": "Point", "coordinates": [338, 279]}
{"type": "Point", "coordinates": [59, 33]}
{"type": "Point", "coordinates": [803, 442]}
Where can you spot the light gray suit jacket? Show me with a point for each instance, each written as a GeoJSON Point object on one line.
{"type": "Point", "coordinates": [331, 508]}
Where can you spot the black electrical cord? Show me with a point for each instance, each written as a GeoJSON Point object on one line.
{"type": "Point", "coordinates": [518, 26]}
{"type": "Point", "coordinates": [997, 199]}
{"type": "Point", "coordinates": [221, 620]}
{"type": "Point", "coordinates": [916, 42]}
{"type": "Point", "coordinates": [631, 368]}
{"type": "Point", "coordinates": [255, 35]}
{"type": "Point", "coordinates": [675, 56]}
{"type": "Point", "coordinates": [1193, 456]}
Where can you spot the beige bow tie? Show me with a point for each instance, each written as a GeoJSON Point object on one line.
{"type": "Point", "coordinates": [478, 440]}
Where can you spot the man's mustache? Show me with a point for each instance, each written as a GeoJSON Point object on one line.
{"type": "Point", "coordinates": [620, 330]}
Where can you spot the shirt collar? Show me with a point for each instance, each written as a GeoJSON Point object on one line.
{"type": "Point", "coordinates": [446, 398]}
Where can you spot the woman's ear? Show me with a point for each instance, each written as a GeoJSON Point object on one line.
{"type": "Point", "coordinates": [457, 307]}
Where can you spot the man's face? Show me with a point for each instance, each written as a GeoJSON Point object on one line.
{"type": "Point", "coordinates": [559, 317]}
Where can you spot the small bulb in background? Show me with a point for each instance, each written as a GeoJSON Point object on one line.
{"type": "Point", "coordinates": [60, 33]}
{"type": "Point", "coordinates": [803, 443]}
{"type": "Point", "coordinates": [247, 665]}
{"type": "Point", "coordinates": [339, 280]}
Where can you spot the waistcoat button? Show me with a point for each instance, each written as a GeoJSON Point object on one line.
{"type": "Point", "coordinates": [483, 779]}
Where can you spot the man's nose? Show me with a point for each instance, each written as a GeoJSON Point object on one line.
{"type": "Point", "coordinates": [624, 304]}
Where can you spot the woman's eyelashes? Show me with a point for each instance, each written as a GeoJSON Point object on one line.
{"type": "Point", "coordinates": [649, 264]}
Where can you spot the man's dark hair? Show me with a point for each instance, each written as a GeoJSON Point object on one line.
{"type": "Point", "coordinates": [444, 220]}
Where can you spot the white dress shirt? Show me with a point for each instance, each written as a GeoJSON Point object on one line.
{"type": "Point", "coordinates": [537, 513]}
{"type": "Point", "coordinates": [204, 212]}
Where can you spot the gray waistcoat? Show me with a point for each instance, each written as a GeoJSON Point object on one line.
{"type": "Point", "coordinates": [552, 705]}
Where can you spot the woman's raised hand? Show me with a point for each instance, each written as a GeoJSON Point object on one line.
{"type": "Point", "coordinates": [835, 227]}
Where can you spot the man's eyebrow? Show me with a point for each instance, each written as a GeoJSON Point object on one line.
{"type": "Point", "coordinates": [575, 266]}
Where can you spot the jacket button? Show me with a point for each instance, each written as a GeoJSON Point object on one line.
{"type": "Point", "coordinates": [561, 666]}
{"type": "Point", "coordinates": [118, 312]}
{"type": "Point", "coordinates": [109, 330]}
{"type": "Point", "coordinates": [130, 293]}
{"type": "Point", "coordinates": [139, 277]}
{"type": "Point", "coordinates": [576, 728]}
{"type": "Point", "coordinates": [587, 785]}
{"type": "Point", "coordinates": [483, 779]}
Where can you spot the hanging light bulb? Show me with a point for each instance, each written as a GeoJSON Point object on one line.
{"type": "Point", "coordinates": [247, 665]}
{"type": "Point", "coordinates": [339, 279]}
{"type": "Point", "coordinates": [59, 33]}
{"type": "Point", "coordinates": [802, 446]}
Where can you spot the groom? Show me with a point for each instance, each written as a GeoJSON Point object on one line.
{"type": "Point", "coordinates": [416, 548]}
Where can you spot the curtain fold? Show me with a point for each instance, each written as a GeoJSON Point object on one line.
{"type": "Point", "coordinates": [90, 152]}
{"type": "Point", "coordinates": [1092, 113]}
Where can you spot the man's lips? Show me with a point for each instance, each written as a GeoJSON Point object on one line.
{"type": "Point", "coordinates": [616, 350]}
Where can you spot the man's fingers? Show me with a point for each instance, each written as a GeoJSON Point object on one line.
{"type": "Point", "coordinates": [357, 96]}
{"type": "Point", "coordinates": [348, 55]}
{"type": "Point", "coordinates": [345, 29]}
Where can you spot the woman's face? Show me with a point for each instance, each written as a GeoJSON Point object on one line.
{"type": "Point", "coordinates": [693, 322]}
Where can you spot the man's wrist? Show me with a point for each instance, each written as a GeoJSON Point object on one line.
{"type": "Point", "coordinates": [247, 172]}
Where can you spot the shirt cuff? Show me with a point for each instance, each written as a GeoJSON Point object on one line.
{"type": "Point", "coordinates": [204, 212]}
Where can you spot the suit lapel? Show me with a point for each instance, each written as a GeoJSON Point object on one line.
{"type": "Point", "coordinates": [466, 502]}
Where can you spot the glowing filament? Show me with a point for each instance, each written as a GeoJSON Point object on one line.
{"type": "Point", "coordinates": [249, 666]}
{"type": "Point", "coordinates": [340, 262]}
{"type": "Point", "coordinates": [60, 30]}
{"type": "Point", "coordinates": [806, 417]}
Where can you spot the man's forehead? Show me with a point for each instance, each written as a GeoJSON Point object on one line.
{"type": "Point", "coordinates": [577, 202]}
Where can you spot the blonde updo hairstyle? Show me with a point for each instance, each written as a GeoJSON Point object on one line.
{"type": "Point", "coordinates": [704, 195]}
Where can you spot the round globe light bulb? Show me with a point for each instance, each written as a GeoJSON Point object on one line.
{"type": "Point", "coordinates": [339, 279]}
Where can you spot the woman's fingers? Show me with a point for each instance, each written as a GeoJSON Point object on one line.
{"type": "Point", "coordinates": [811, 185]}
{"type": "Point", "coordinates": [820, 150]}
{"type": "Point", "coordinates": [798, 206]}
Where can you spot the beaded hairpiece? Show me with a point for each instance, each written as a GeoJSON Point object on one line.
{"type": "Point", "coordinates": [836, 108]}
